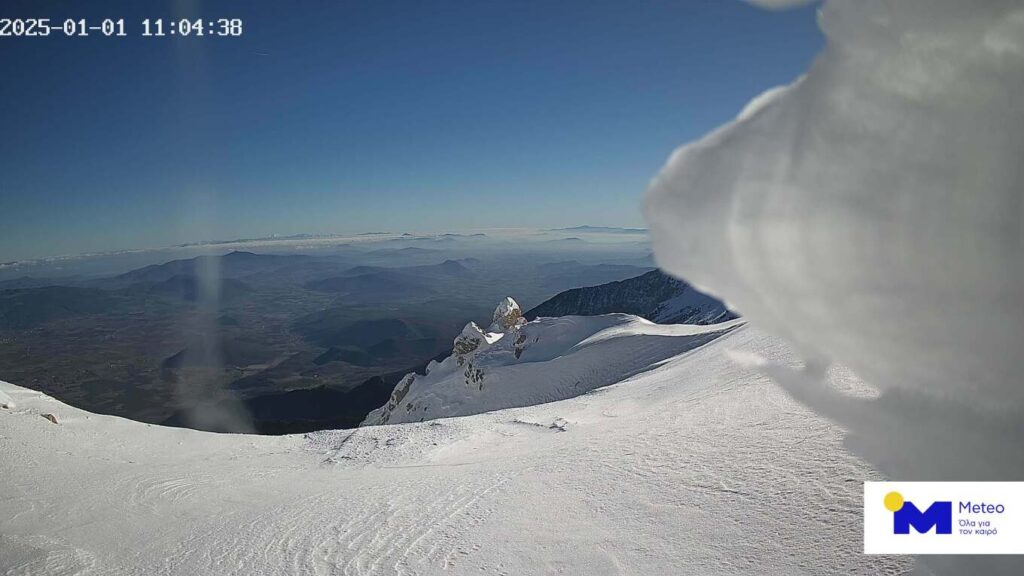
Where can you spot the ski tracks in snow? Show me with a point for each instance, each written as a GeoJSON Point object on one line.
{"type": "Point", "coordinates": [403, 528]}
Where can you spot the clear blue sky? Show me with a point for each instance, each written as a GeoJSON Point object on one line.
{"type": "Point", "coordinates": [352, 116]}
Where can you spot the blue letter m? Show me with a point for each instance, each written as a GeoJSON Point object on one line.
{"type": "Point", "coordinates": [939, 515]}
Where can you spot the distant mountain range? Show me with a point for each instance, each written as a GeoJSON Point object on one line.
{"type": "Point", "coordinates": [301, 331]}
{"type": "Point", "coordinates": [378, 283]}
{"type": "Point", "coordinates": [654, 296]}
{"type": "Point", "coordinates": [231, 265]}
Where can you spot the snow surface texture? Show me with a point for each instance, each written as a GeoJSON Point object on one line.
{"type": "Point", "coordinates": [700, 466]}
{"type": "Point", "coordinates": [517, 363]}
{"type": "Point", "coordinates": [871, 213]}
{"type": "Point", "coordinates": [6, 402]}
{"type": "Point", "coordinates": [697, 307]}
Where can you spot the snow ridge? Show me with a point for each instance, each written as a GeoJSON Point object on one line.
{"type": "Point", "coordinates": [520, 363]}
{"type": "Point", "coordinates": [655, 296]}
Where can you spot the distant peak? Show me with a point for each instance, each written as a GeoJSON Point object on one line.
{"type": "Point", "coordinates": [453, 267]}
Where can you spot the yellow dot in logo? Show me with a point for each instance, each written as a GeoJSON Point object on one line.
{"type": "Point", "coordinates": [893, 501]}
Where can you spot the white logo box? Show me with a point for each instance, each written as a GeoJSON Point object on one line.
{"type": "Point", "coordinates": [987, 517]}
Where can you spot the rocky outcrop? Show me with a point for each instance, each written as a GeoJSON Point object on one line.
{"type": "Point", "coordinates": [507, 315]}
{"type": "Point", "coordinates": [468, 341]}
{"type": "Point", "coordinates": [504, 332]}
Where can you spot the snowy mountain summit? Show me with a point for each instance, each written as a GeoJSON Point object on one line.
{"type": "Point", "coordinates": [505, 327]}
{"type": "Point", "coordinates": [655, 296]}
{"type": "Point", "coordinates": [518, 363]}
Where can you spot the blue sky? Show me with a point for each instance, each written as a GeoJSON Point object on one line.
{"type": "Point", "coordinates": [354, 116]}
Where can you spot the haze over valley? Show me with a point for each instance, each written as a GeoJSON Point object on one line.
{"type": "Point", "coordinates": [280, 334]}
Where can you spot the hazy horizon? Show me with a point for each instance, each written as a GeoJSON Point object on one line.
{"type": "Point", "coordinates": [255, 242]}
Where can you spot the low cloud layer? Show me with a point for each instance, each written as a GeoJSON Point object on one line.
{"type": "Point", "coordinates": [779, 4]}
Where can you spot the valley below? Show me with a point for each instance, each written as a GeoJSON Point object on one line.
{"type": "Point", "coordinates": [275, 337]}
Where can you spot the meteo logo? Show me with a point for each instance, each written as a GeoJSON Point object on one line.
{"type": "Point", "coordinates": [943, 517]}
{"type": "Point", "coordinates": [938, 515]}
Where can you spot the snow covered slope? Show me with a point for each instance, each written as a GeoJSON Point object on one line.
{"type": "Point", "coordinates": [519, 363]}
{"type": "Point", "coordinates": [655, 296]}
{"type": "Point", "coordinates": [699, 466]}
